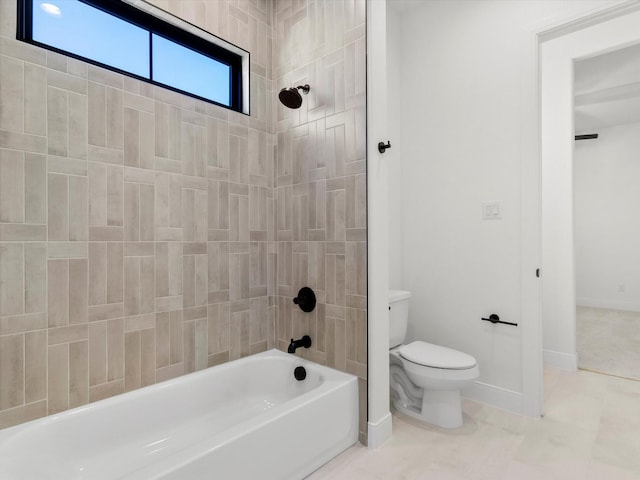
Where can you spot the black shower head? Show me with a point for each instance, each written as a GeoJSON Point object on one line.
{"type": "Point", "coordinates": [291, 98]}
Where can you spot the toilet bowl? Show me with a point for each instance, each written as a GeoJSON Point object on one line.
{"type": "Point", "coordinates": [425, 379]}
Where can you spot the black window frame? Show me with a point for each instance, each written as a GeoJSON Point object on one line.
{"type": "Point", "coordinates": [157, 26]}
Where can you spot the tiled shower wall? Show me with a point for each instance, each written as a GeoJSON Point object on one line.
{"type": "Point", "coordinates": [321, 182]}
{"type": "Point", "coordinates": [139, 238]}
{"type": "Point", "coordinates": [136, 224]}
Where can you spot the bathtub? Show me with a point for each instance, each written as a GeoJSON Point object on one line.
{"type": "Point", "coordinates": [246, 419]}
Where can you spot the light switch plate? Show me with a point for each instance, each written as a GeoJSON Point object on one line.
{"type": "Point", "coordinates": [492, 210]}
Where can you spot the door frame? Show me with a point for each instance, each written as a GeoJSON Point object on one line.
{"type": "Point", "coordinates": [378, 413]}
{"type": "Point", "coordinates": [606, 30]}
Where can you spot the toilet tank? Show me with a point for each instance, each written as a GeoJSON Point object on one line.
{"type": "Point", "coordinates": [398, 316]}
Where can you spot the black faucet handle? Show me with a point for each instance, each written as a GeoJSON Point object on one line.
{"type": "Point", "coordinates": [306, 299]}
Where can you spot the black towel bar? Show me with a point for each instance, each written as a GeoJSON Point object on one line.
{"type": "Point", "coordinates": [493, 318]}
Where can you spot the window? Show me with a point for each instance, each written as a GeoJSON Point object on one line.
{"type": "Point", "coordinates": [143, 42]}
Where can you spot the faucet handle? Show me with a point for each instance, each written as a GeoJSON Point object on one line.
{"type": "Point", "coordinates": [306, 299]}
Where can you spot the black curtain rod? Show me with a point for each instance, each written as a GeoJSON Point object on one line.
{"type": "Point", "coordinates": [587, 137]}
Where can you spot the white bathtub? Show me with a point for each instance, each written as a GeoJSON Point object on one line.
{"type": "Point", "coordinates": [246, 419]}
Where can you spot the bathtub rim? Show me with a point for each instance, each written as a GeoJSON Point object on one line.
{"type": "Point", "coordinates": [332, 380]}
{"type": "Point", "coordinates": [7, 432]}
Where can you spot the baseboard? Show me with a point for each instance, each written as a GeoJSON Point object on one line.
{"type": "Point", "coordinates": [611, 304]}
{"type": "Point", "coordinates": [495, 396]}
{"type": "Point", "coordinates": [563, 361]}
{"type": "Point", "coordinates": [379, 432]}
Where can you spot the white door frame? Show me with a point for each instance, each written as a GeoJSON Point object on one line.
{"type": "Point", "coordinates": [378, 415]}
{"type": "Point", "coordinates": [604, 31]}
{"type": "Point", "coordinates": [531, 197]}
{"type": "Point", "coordinates": [532, 190]}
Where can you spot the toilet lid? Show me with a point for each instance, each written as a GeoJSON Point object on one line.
{"type": "Point", "coordinates": [430, 355]}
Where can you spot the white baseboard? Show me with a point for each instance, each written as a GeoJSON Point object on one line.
{"type": "Point", "coordinates": [612, 304]}
{"type": "Point", "coordinates": [563, 361]}
{"type": "Point", "coordinates": [379, 432]}
{"type": "Point", "coordinates": [496, 396]}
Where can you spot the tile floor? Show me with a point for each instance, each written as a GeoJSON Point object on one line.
{"type": "Point", "coordinates": [608, 341]}
{"type": "Point", "coordinates": [590, 431]}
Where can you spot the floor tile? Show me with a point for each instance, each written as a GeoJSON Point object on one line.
{"type": "Point", "coordinates": [607, 341]}
{"type": "Point", "coordinates": [590, 431]}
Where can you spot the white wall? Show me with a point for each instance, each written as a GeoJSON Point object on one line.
{"type": "Point", "coordinates": [607, 213]}
{"type": "Point", "coordinates": [467, 94]}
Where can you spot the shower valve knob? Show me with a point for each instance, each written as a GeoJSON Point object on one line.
{"type": "Point", "coordinates": [306, 299]}
{"type": "Point", "coordinates": [382, 147]}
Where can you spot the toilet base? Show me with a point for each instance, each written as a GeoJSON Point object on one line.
{"type": "Point", "coordinates": [442, 408]}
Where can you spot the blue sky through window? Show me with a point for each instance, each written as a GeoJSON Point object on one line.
{"type": "Point", "coordinates": [80, 29]}
{"type": "Point", "coordinates": [85, 30]}
{"type": "Point", "coordinates": [185, 69]}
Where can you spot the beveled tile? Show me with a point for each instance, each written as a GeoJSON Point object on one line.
{"type": "Point", "coordinates": [23, 323]}
{"type": "Point", "coordinates": [35, 91]}
{"type": "Point", "coordinates": [131, 137]}
{"type": "Point", "coordinates": [35, 277]}
{"type": "Point", "coordinates": [58, 207]}
{"type": "Point", "coordinates": [22, 232]}
{"type": "Point", "coordinates": [72, 333]}
{"type": "Point", "coordinates": [97, 279]}
{"type": "Point", "coordinates": [58, 378]}
{"type": "Point", "coordinates": [22, 414]}
{"type": "Point", "coordinates": [78, 125]}
{"type": "Point", "coordinates": [58, 292]}
{"type": "Point", "coordinates": [23, 141]}
{"type": "Point", "coordinates": [78, 291]}
{"type": "Point", "coordinates": [97, 353]}
{"type": "Point", "coordinates": [12, 371]}
{"type": "Point", "coordinates": [12, 194]}
{"type": "Point", "coordinates": [11, 93]}
{"type": "Point", "coordinates": [78, 374]}
{"type": "Point", "coordinates": [57, 121]}
{"type": "Point", "coordinates": [35, 175]}
{"type": "Point", "coordinates": [114, 118]}
{"type": "Point", "coordinates": [106, 390]}
{"type": "Point", "coordinates": [78, 214]}
{"type": "Point", "coordinates": [147, 357]}
{"type": "Point", "coordinates": [115, 349]}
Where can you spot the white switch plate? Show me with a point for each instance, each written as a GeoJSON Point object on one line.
{"type": "Point", "coordinates": [491, 210]}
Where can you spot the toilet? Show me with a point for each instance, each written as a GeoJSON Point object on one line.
{"type": "Point", "coordinates": [425, 379]}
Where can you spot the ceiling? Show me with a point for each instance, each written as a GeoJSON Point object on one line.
{"type": "Point", "coordinates": [607, 90]}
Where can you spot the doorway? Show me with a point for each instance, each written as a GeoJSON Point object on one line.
{"type": "Point", "coordinates": [606, 208]}
{"type": "Point", "coordinates": [601, 35]}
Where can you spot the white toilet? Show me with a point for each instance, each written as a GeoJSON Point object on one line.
{"type": "Point", "coordinates": [425, 379]}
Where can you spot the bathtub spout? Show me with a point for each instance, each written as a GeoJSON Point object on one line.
{"type": "Point", "coordinates": [303, 342]}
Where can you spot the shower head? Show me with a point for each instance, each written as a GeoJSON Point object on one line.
{"type": "Point", "coordinates": [291, 98]}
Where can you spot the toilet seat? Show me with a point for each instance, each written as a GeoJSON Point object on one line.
{"type": "Point", "coordinates": [436, 356]}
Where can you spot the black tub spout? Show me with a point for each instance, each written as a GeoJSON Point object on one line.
{"type": "Point", "coordinates": [303, 342]}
